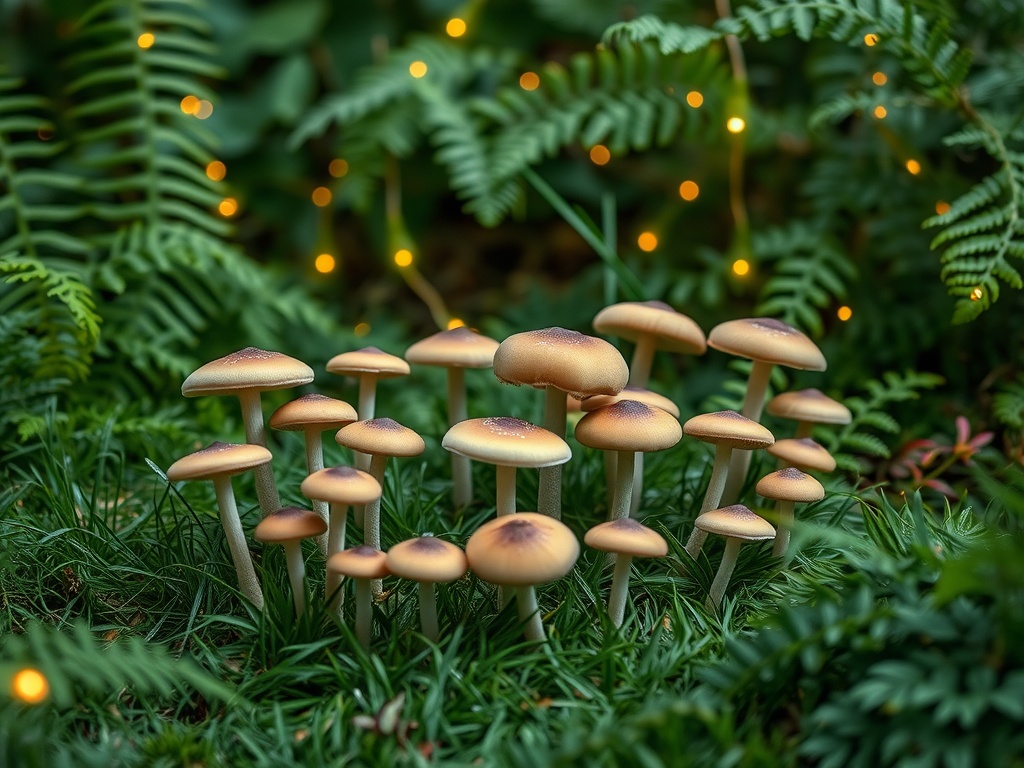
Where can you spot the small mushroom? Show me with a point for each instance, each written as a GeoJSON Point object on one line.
{"type": "Point", "coordinates": [788, 486]}
{"type": "Point", "coordinates": [288, 527]}
{"type": "Point", "coordinates": [364, 564]}
{"type": "Point", "coordinates": [626, 539]}
{"type": "Point", "coordinates": [803, 453]}
{"type": "Point", "coordinates": [521, 551]}
{"type": "Point", "coordinates": [808, 407]}
{"type": "Point", "coordinates": [737, 524]}
{"type": "Point", "coordinates": [427, 561]}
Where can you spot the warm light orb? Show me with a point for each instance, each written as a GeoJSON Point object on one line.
{"type": "Point", "coordinates": [321, 197]}
{"type": "Point", "coordinates": [942, 208]}
{"type": "Point", "coordinates": [216, 170]}
{"type": "Point", "coordinates": [741, 267]}
{"type": "Point", "coordinates": [361, 329]}
{"type": "Point", "coordinates": [689, 190]}
{"type": "Point", "coordinates": [913, 167]}
{"type": "Point", "coordinates": [455, 27]}
{"type": "Point", "coordinates": [403, 257]}
{"type": "Point", "coordinates": [844, 313]}
{"type": "Point", "coordinates": [418, 69]}
{"type": "Point", "coordinates": [976, 294]}
{"type": "Point", "coordinates": [879, 78]}
{"type": "Point", "coordinates": [228, 207]}
{"type": "Point", "coordinates": [338, 168]}
{"type": "Point", "coordinates": [324, 263]}
{"type": "Point", "coordinates": [455, 323]}
{"type": "Point", "coordinates": [599, 154]}
{"type": "Point", "coordinates": [695, 99]}
{"type": "Point", "coordinates": [529, 81]}
{"type": "Point", "coordinates": [146, 40]}
{"type": "Point", "coordinates": [647, 241]}
{"type": "Point", "coordinates": [870, 39]}
{"type": "Point", "coordinates": [30, 686]}
{"type": "Point", "coordinates": [190, 104]}
{"type": "Point", "coordinates": [736, 124]}
{"type": "Point", "coordinates": [203, 109]}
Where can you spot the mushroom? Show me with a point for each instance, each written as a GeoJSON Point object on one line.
{"type": "Point", "coordinates": [245, 374]}
{"type": "Point", "coordinates": [767, 342]}
{"type": "Point", "coordinates": [314, 414]}
{"type": "Point", "coordinates": [627, 427]}
{"type": "Point", "coordinates": [363, 564]}
{"type": "Point", "coordinates": [808, 407]}
{"type": "Point", "coordinates": [802, 453]}
{"type": "Point", "coordinates": [340, 487]}
{"type": "Point", "coordinates": [218, 462]}
{"type": "Point", "coordinates": [626, 538]}
{"type": "Point", "coordinates": [727, 431]}
{"type": "Point", "coordinates": [559, 361]}
{"type": "Point", "coordinates": [456, 350]}
{"type": "Point", "coordinates": [427, 560]}
{"type": "Point", "coordinates": [521, 551]}
{"type": "Point", "coordinates": [288, 526]}
{"type": "Point", "coordinates": [507, 443]}
{"type": "Point", "coordinates": [788, 486]}
{"type": "Point", "coordinates": [737, 524]}
{"type": "Point", "coordinates": [652, 325]}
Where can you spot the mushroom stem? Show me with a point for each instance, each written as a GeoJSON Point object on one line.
{"type": "Point", "coordinates": [256, 434]}
{"type": "Point", "coordinates": [712, 497]}
{"type": "Point", "coordinates": [364, 612]}
{"type": "Point", "coordinates": [638, 483]}
{"type": "Point", "coordinates": [314, 463]}
{"type": "Point", "coordinates": [643, 358]}
{"type": "Point", "coordinates": [428, 611]}
{"type": "Point", "coordinates": [462, 478]}
{"type": "Point", "coordinates": [248, 583]}
{"type": "Point", "coordinates": [803, 429]}
{"type": "Point", "coordinates": [784, 528]}
{"type": "Point", "coordinates": [529, 613]}
{"type": "Point", "coordinates": [296, 574]}
{"type": "Point", "coordinates": [371, 521]}
{"type": "Point", "coordinates": [336, 543]}
{"type": "Point", "coordinates": [623, 486]}
{"type": "Point", "coordinates": [725, 569]}
{"type": "Point", "coordinates": [365, 411]}
{"type": "Point", "coordinates": [610, 469]}
{"type": "Point", "coordinates": [620, 589]}
{"type": "Point", "coordinates": [506, 490]}
{"type": "Point", "coordinates": [549, 493]}
{"type": "Point", "coordinates": [753, 404]}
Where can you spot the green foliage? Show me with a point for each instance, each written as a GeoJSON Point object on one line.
{"type": "Point", "coordinates": [1008, 404]}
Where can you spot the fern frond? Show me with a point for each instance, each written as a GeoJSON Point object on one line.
{"type": "Point", "coordinates": [1008, 404]}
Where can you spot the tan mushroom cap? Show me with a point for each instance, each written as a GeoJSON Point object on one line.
{"type": "Point", "coordinates": [567, 360]}
{"type": "Point", "coordinates": [728, 428]}
{"type": "Point", "coordinates": [674, 331]}
{"type": "Point", "coordinates": [736, 521]}
{"type": "Point", "coordinates": [368, 360]}
{"type": "Point", "coordinates": [218, 459]}
{"type": "Point", "coordinates": [426, 558]}
{"type": "Point", "coordinates": [362, 562]}
{"type": "Point", "coordinates": [457, 348]}
{"type": "Point", "coordinates": [790, 484]}
{"type": "Point", "coordinates": [629, 425]}
{"type": "Point", "coordinates": [768, 340]}
{"type": "Point", "coordinates": [248, 368]}
{"type": "Point", "coordinates": [803, 453]}
{"type": "Point", "coordinates": [341, 485]}
{"type": "Point", "coordinates": [809, 405]}
{"type": "Point", "coordinates": [289, 524]}
{"type": "Point", "coordinates": [313, 411]}
{"type": "Point", "coordinates": [645, 396]}
{"type": "Point", "coordinates": [381, 437]}
{"type": "Point", "coordinates": [506, 441]}
{"type": "Point", "coordinates": [522, 549]}
{"type": "Point", "coordinates": [626, 536]}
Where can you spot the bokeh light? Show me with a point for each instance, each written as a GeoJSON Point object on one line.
{"type": "Point", "coordinates": [736, 124]}
{"type": "Point", "coordinates": [203, 110]}
{"type": "Point", "coordinates": [695, 99]}
{"type": "Point", "coordinates": [190, 104]}
{"type": "Point", "coordinates": [216, 170]}
{"type": "Point", "coordinates": [338, 167]}
{"type": "Point", "coordinates": [647, 241]}
{"type": "Point", "coordinates": [322, 197]}
{"type": "Point", "coordinates": [403, 257]}
{"type": "Point", "coordinates": [976, 294]}
{"type": "Point", "coordinates": [146, 40]}
{"type": "Point", "coordinates": [228, 207]}
{"type": "Point", "coordinates": [455, 27]}
{"type": "Point", "coordinates": [879, 78]}
{"type": "Point", "coordinates": [741, 267]}
{"type": "Point", "coordinates": [30, 686]}
{"type": "Point", "coordinates": [455, 323]}
{"type": "Point", "coordinates": [599, 154]}
{"type": "Point", "coordinates": [942, 208]}
{"type": "Point", "coordinates": [844, 313]}
{"type": "Point", "coordinates": [324, 263]}
{"type": "Point", "coordinates": [880, 112]}
{"type": "Point", "coordinates": [529, 81]}
{"type": "Point", "coordinates": [870, 39]}
{"type": "Point", "coordinates": [361, 329]}
{"type": "Point", "coordinates": [418, 69]}
{"type": "Point", "coordinates": [689, 190]}
{"type": "Point", "coordinates": [913, 167]}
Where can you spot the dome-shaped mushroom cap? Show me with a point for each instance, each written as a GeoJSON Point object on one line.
{"type": "Point", "coordinates": [289, 524]}
{"type": "Point", "coordinates": [629, 425]}
{"type": "Point", "coordinates": [803, 453]}
{"type": "Point", "coordinates": [426, 558]}
{"type": "Point", "coordinates": [218, 459]}
{"type": "Point", "coordinates": [313, 411]}
{"type": "Point", "coordinates": [249, 368]}
{"type": "Point", "coordinates": [626, 536]}
{"type": "Point", "coordinates": [645, 396]}
{"type": "Point", "coordinates": [728, 428]}
{"type": "Point", "coordinates": [736, 521]}
{"type": "Point", "coordinates": [507, 441]}
{"type": "Point", "coordinates": [362, 562]}
{"type": "Point", "coordinates": [790, 484]}
{"type": "Point", "coordinates": [673, 330]}
{"type": "Point", "coordinates": [567, 360]}
{"type": "Point", "coordinates": [456, 348]}
{"type": "Point", "coordinates": [809, 405]}
{"type": "Point", "coordinates": [768, 340]}
{"type": "Point", "coordinates": [381, 437]}
{"type": "Point", "coordinates": [341, 485]}
{"type": "Point", "coordinates": [522, 549]}
{"type": "Point", "coordinates": [368, 360]}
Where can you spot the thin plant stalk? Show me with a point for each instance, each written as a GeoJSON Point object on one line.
{"type": "Point", "coordinates": [753, 404]}
{"type": "Point", "coordinates": [725, 569]}
{"type": "Point", "coordinates": [256, 434]}
{"type": "Point", "coordinates": [248, 583]}
{"type": "Point", "coordinates": [712, 497]}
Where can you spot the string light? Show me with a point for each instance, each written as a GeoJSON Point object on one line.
{"type": "Point", "coordinates": [529, 81]}
{"type": "Point", "coordinates": [689, 190]}
{"type": "Point", "coordinates": [879, 78]}
{"type": "Point", "coordinates": [321, 197]}
{"type": "Point", "coordinates": [337, 168]}
{"type": "Point", "coordinates": [942, 208]}
{"type": "Point", "coordinates": [146, 40]}
{"type": "Point", "coordinates": [695, 99]}
{"type": "Point", "coordinates": [455, 27]}
{"type": "Point", "coordinates": [455, 323]}
{"type": "Point", "coordinates": [880, 112]}
{"type": "Point", "coordinates": [418, 69]}
{"type": "Point", "coordinates": [190, 104]}
{"type": "Point", "coordinates": [30, 686]}
{"type": "Point", "coordinates": [203, 110]}
{"type": "Point", "coordinates": [913, 167]}
{"type": "Point", "coordinates": [844, 313]}
{"type": "Point", "coordinates": [647, 241]}
{"type": "Point", "coordinates": [736, 124]}
{"type": "Point", "coordinates": [741, 267]}
{"type": "Point", "coordinates": [216, 170]}
{"type": "Point", "coordinates": [599, 154]}
{"type": "Point", "coordinates": [403, 257]}
{"type": "Point", "coordinates": [976, 294]}
{"type": "Point", "coordinates": [361, 329]}
{"type": "Point", "coordinates": [870, 39]}
{"type": "Point", "coordinates": [324, 263]}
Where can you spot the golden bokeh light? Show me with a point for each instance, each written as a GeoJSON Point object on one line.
{"type": "Point", "coordinates": [455, 323]}
{"type": "Point", "coordinates": [741, 267]}
{"type": "Point", "coordinates": [942, 208]}
{"type": "Point", "coordinates": [228, 207]}
{"type": "Point", "coordinates": [879, 78]}
{"type": "Point", "coordinates": [403, 257]}
{"type": "Point", "coordinates": [870, 39]}
{"type": "Point", "coordinates": [30, 686]}
{"type": "Point", "coordinates": [216, 170]}
{"type": "Point", "coordinates": [695, 99]}
{"type": "Point", "coordinates": [338, 167]}
{"type": "Point", "coordinates": [913, 167]}
{"type": "Point", "coordinates": [203, 110]}
{"type": "Point", "coordinates": [455, 27]}
{"type": "Point", "coordinates": [529, 81]}
{"type": "Point", "coordinates": [736, 124]}
{"type": "Point", "coordinates": [361, 329]}
{"type": "Point", "coordinates": [321, 197]}
{"type": "Point", "coordinates": [976, 294]}
{"type": "Point", "coordinates": [190, 104]}
{"type": "Point", "coordinates": [879, 112]}
{"type": "Point", "coordinates": [324, 263]}
{"type": "Point", "coordinates": [647, 241]}
{"type": "Point", "coordinates": [146, 40]}
{"type": "Point", "coordinates": [689, 190]}
{"type": "Point", "coordinates": [418, 69]}
{"type": "Point", "coordinates": [599, 154]}
{"type": "Point", "coordinates": [844, 313]}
